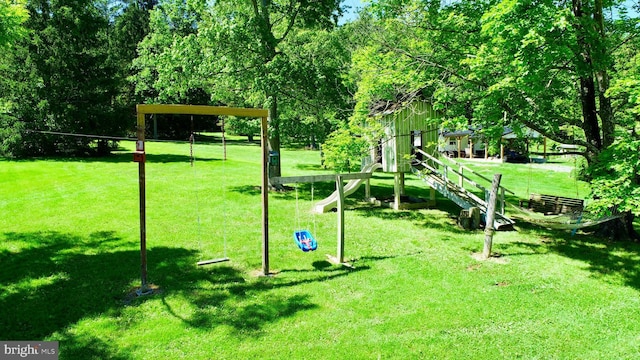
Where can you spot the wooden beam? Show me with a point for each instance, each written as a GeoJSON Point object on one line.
{"type": "Point", "coordinates": [143, 204]}
{"type": "Point", "coordinates": [200, 110]}
{"type": "Point", "coordinates": [490, 216]}
{"type": "Point", "coordinates": [278, 180]}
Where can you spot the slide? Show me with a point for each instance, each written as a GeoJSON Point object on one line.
{"type": "Point", "coordinates": [351, 186]}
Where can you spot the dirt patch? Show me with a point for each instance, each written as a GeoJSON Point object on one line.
{"type": "Point", "coordinates": [496, 258]}
{"type": "Point", "coordinates": [137, 292]}
{"type": "Point", "coordinates": [474, 267]}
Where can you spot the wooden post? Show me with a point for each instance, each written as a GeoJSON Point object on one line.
{"type": "Point", "coordinates": [265, 196]}
{"type": "Point", "coordinates": [501, 151]}
{"type": "Point", "coordinates": [340, 224]}
{"type": "Point", "coordinates": [402, 190]}
{"type": "Point", "coordinates": [486, 150]}
{"type": "Point", "coordinates": [461, 177]}
{"type": "Point", "coordinates": [459, 139]}
{"type": "Point", "coordinates": [544, 147]}
{"type": "Point", "coordinates": [396, 191]}
{"type": "Point", "coordinates": [490, 216]}
{"type": "Point", "coordinates": [470, 147]}
{"type": "Point", "coordinates": [143, 205]}
{"type": "Point", "coordinates": [155, 128]}
{"type": "Point", "coordinates": [367, 190]}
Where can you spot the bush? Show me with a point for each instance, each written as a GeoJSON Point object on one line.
{"type": "Point", "coordinates": [343, 151]}
{"type": "Point", "coordinates": [10, 136]}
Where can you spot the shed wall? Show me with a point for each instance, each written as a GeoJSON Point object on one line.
{"type": "Point", "coordinates": [397, 145]}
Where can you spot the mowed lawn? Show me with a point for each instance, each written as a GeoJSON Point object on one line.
{"type": "Point", "coordinates": [69, 256]}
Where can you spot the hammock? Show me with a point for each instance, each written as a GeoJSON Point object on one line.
{"type": "Point", "coordinates": [571, 221]}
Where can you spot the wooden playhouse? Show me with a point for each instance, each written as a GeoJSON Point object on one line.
{"type": "Point", "coordinates": [407, 124]}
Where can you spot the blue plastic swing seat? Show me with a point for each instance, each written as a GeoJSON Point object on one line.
{"type": "Point", "coordinates": [304, 240]}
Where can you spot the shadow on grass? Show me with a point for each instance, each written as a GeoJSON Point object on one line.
{"type": "Point", "coordinates": [54, 280]}
{"type": "Point", "coordinates": [422, 219]}
{"type": "Point", "coordinates": [57, 279]}
{"type": "Point", "coordinates": [605, 259]}
{"type": "Point", "coordinates": [247, 306]}
{"type": "Point", "coordinates": [252, 190]}
{"type": "Point", "coordinates": [612, 261]}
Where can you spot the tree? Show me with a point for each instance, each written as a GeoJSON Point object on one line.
{"type": "Point", "coordinates": [247, 53]}
{"type": "Point", "coordinates": [244, 54]}
{"type": "Point", "coordinates": [13, 16]}
{"type": "Point", "coordinates": [166, 69]}
{"type": "Point", "coordinates": [129, 28]}
{"type": "Point", "coordinates": [60, 78]}
{"type": "Point", "coordinates": [343, 150]}
{"type": "Point", "coordinates": [318, 97]}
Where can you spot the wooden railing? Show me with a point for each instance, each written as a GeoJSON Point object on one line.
{"type": "Point", "coordinates": [462, 178]}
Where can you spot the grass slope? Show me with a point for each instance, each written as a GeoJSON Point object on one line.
{"type": "Point", "coordinates": [70, 257]}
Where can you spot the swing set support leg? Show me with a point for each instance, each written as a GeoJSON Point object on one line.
{"type": "Point", "coordinates": [339, 258]}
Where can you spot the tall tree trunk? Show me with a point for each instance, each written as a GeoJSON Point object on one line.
{"type": "Point", "coordinates": [590, 123]}
{"type": "Point", "coordinates": [619, 229]}
{"type": "Point", "coordinates": [269, 44]}
{"type": "Point", "coordinates": [606, 111]}
{"type": "Point", "coordinates": [274, 136]}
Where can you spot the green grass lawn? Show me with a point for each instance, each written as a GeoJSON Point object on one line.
{"type": "Point", "coordinates": [69, 250]}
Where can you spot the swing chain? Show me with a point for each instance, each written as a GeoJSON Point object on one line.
{"type": "Point", "coordinates": [313, 215]}
{"type": "Point", "coordinates": [297, 209]}
{"type": "Point", "coordinates": [191, 141]}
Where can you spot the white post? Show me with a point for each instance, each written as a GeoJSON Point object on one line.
{"type": "Point", "coordinates": [367, 190]}
{"type": "Point", "coordinates": [396, 191]}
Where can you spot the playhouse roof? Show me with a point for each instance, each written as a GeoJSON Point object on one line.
{"type": "Point", "coordinates": [507, 133]}
{"type": "Point", "coordinates": [456, 133]}
{"type": "Point", "coordinates": [386, 107]}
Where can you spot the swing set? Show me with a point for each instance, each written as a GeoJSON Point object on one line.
{"type": "Point", "coordinates": [306, 239]}
{"type": "Point", "coordinates": [139, 156]}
